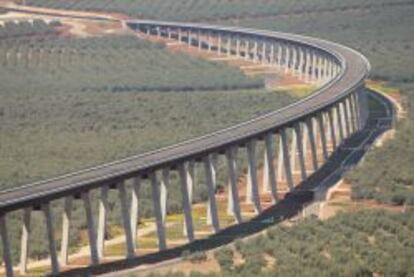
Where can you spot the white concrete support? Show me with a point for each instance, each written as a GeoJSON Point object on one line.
{"type": "Point", "coordinates": [180, 35]}
{"type": "Point", "coordinates": [287, 58]}
{"type": "Point", "coordinates": [126, 221]}
{"type": "Point", "coordinates": [219, 43]}
{"type": "Point", "coordinates": [24, 242]}
{"type": "Point", "coordinates": [269, 164]}
{"type": "Point", "coordinates": [252, 175]}
{"type": "Point", "coordinates": [294, 60]}
{"type": "Point", "coordinates": [332, 129]}
{"type": "Point", "coordinates": [169, 33]}
{"type": "Point", "coordinates": [91, 228]}
{"type": "Point", "coordinates": [6, 247]}
{"type": "Point", "coordinates": [228, 50]}
{"type": "Point", "coordinates": [352, 112]}
{"type": "Point", "coordinates": [200, 44]}
{"type": "Point", "coordinates": [286, 159]}
{"type": "Point", "coordinates": [211, 185]}
{"type": "Point", "coordinates": [51, 238]}
{"type": "Point", "coordinates": [238, 46]}
{"type": "Point", "coordinates": [246, 50]}
{"type": "Point", "coordinates": [301, 152]}
{"type": "Point", "coordinates": [280, 162]}
{"type": "Point", "coordinates": [165, 183]}
{"type": "Point", "coordinates": [255, 50]}
{"type": "Point", "coordinates": [263, 52]}
{"type": "Point", "coordinates": [234, 202]}
{"type": "Point", "coordinates": [301, 63]}
{"type": "Point", "coordinates": [66, 222]}
{"type": "Point", "coordinates": [308, 67]}
{"type": "Point", "coordinates": [156, 200]}
{"type": "Point", "coordinates": [320, 66]}
{"type": "Point", "coordinates": [102, 218]}
{"type": "Point", "coordinates": [279, 55]}
{"type": "Point", "coordinates": [183, 172]}
{"type": "Point", "coordinates": [209, 43]}
{"type": "Point", "coordinates": [339, 124]}
{"type": "Point", "coordinates": [135, 209]}
{"type": "Point", "coordinates": [272, 54]}
{"type": "Point", "coordinates": [293, 152]}
{"type": "Point", "coordinates": [345, 118]}
{"type": "Point", "coordinates": [312, 140]}
{"type": "Point", "coordinates": [322, 132]}
{"type": "Point", "coordinates": [314, 75]}
{"type": "Point", "coordinates": [189, 39]}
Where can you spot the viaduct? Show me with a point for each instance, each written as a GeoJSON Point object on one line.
{"type": "Point", "coordinates": [318, 124]}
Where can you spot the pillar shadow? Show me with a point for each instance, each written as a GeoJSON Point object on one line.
{"type": "Point", "coordinates": [347, 156]}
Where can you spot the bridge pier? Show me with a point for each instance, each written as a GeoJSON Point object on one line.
{"type": "Point", "coordinates": [24, 243]}
{"type": "Point", "coordinates": [134, 219]}
{"type": "Point", "coordinates": [269, 166]}
{"type": "Point", "coordinates": [311, 134]}
{"type": "Point", "coordinates": [253, 187]}
{"type": "Point", "coordinates": [286, 159]}
{"type": "Point", "coordinates": [211, 185]}
{"type": "Point", "coordinates": [183, 172]}
{"type": "Point", "coordinates": [300, 146]}
{"type": "Point", "coordinates": [234, 202]}
{"type": "Point", "coordinates": [66, 223]}
{"type": "Point", "coordinates": [102, 219]}
{"type": "Point", "coordinates": [51, 238]}
{"type": "Point", "coordinates": [156, 199]}
{"type": "Point", "coordinates": [126, 220]}
{"type": "Point", "coordinates": [91, 228]}
{"type": "Point", "coordinates": [6, 246]}
{"type": "Point", "coordinates": [165, 183]}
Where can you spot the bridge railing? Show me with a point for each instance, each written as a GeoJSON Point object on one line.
{"type": "Point", "coordinates": [306, 132]}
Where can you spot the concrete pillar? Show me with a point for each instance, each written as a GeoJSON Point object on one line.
{"type": "Point", "coordinates": [252, 172]}
{"type": "Point", "coordinates": [301, 63]}
{"type": "Point", "coordinates": [6, 246]}
{"type": "Point", "coordinates": [293, 152]}
{"type": "Point", "coordinates": [299, 143]}
{"type": "Point", "coordinates": [190, 180]}
{"type": "Point", "coordinates": [255, 50]}
{"type": "Point", "coordinates": [91, 228]}
{"type": "Point", "coordinates": [270, 169]}
{"type": "Point", "coordinates": [169, 33]}
{"type": "Point", "coordinates": [286, 159]}
{"type": "Point", "coordinates": [351, 106]}
{"type": "Point", "coordinates": [309, 126]}
{"type": "Point", "coordinates": [156, 200]}
{"type": "Point", "coordinates": [246, 50]}
{"type": "Point", "coordinates": [308, 67]}
{"type": "Point", "coordinates": [294, 59]}
{"type": "Point", "coordinates": [323, 136]}
{"type": "Point", "coordinates": [345, 118]}
{"type": "Point", "coordinates": [103, 215]}
{"type": "Point", "coordinates": [51, 238]}
{"type": "Point", "coordinates": [189, 38]}
{"type": "Point", "coordinates": [219, 43]}
{"type": "Point", "coordinates": [209, 44]}
{"type": "Point", "coordinates": [126, 221]}
{"type": "Point", "coordinates": [199, 40]}
{"type": "Point", "coordinates": [66, 222]}
{"type": "Point", "coordinates": [340, 123]}
{"type": "Point", "coordinates": [280, 162]}
{"type": "Point", "coordinates": [180, 35]}
{"type": "Point", "coordinates": [229, 46]}
{"type": "Point", "coordinates": [320, 66]}
{"type": "Point", "coordinates": [314, 76]}
{"type": "Point", "coordinates": [332, 128]}
{"type": "Point", "coordinates": [279, 55]}
{"type": "Point", "coordinates": [238, 46]}
{"type": "Point", "coordinates": [272, 54]}
{"type": "Point", "coordinates": [211, 185]}
{"type": "Point", "coordinates": [165, 183]}
{"type": "Point", "coordinates": [135, 209]}
{"type": "Point", "coordinates": [264, 57]}
{"type": "Point", "coordinates": [287, 58]}
{"type": "Point", "coordinates": [183, 172]}
{"type": "Point", "coordinates": [231, 157]}
{"type": "Point", "coordinates": [24, 242]}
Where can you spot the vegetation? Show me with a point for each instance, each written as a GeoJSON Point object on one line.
{"type": "Point", "coordinates": [37, 27]}
{"type": "Point", "coordinates": [366, 243]}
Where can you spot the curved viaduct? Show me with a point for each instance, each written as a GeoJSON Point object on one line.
{"type": "Point", "coordinates": [316, 125]}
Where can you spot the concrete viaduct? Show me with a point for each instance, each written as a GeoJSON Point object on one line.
{"type": "Point", "coordinates": [317, 124]}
